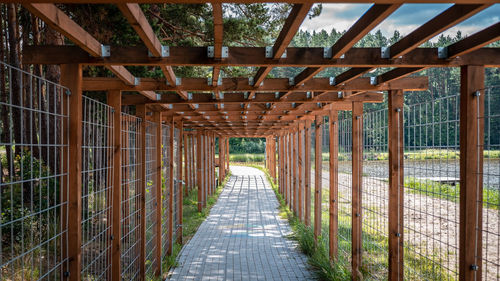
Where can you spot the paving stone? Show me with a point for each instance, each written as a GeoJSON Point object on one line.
{"type": "Point", "coordinates": [243, 238]}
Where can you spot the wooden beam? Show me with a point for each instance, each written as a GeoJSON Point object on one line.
{"type": "Point", "coordinates": [71, 77]}
{"type": "Point", "coordinates": [270, 85]}
{"type": "Point", "coordinates": [334, 188]}
{"type": "Point", "coordinates": [357, 170]}
{"type": "Point", "coordinates": [199, 170]}
{"type": "Point", "coordinates": [180, 184]}
{"type": "Point", "coordinates": [318, 169]}
{"type": "Point", "coordinates": [396, 184]}
{"type": "Point", "coordinates": [114, 100]}
{"type": "Point", "coordinates": [158, 190]}
{"type": "Point", "coordinates": [255, 56]}
{"type": "Point", "coordinates": [471, 171]}
{"type": "Point", "coordinates": [475, 41]}
{"type": "Point", "coordinates": [450, 17]}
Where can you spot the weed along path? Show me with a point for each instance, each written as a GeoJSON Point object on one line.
{"type": "Point", "coordinates": [243, 238]}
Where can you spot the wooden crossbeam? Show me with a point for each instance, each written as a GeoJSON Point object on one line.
{"type": "Point", "coordinates": [63, 24]}
{"type": "Point", "coordinates": [255, 56]}
{"type": "Point", "coordinates": [218, 34]}
{"type": "Point", "coordinates": [475, 41]}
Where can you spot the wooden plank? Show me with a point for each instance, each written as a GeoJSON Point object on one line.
{"type": "Point", "coordinates": [334, 185]}
{"type": "Point", "coordinates": [450, 17]}
{"type": "Point", "coordinates": [114, 100]}
{"type": "Point", "coordinates": [199, 170]}
{"type": "Point", "coordinates": [471, 170]}
{"type": "Point", "coordinates": [141, 113]}
{"type": "Point", "coordinates": [270, 85]}
{"type": "Point", "coordinates": [318, 168]}
{"type": "Point", "coordinates": [307, 166]}
{"type": "Point", "coordinates": [71, 77]}
{"type": "Point", "coordinates": [294, 172]}
{"type": "Point", "coordinates": [357, 170]}
{"type": "Point", "coordinates": [475, 41]}
{"type": "Point", "coordinates": [396, 184]}
{"type": "Point", "coordinates": [397, 73]}
{"type": "Point", "coordinates": [255, 56]}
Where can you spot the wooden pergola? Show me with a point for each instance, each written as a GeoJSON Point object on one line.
{"type": "Point", "coordinates": [275, 108]}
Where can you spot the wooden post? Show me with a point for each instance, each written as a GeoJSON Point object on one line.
{"type": "Point", "coordinates": [334, 188]}
{"type": "Point", "coordinates": [179, 167]}
{"type": "Point", "coordinates": [221, 161]}
{"type": "Point", "coordinates": [71, 77]}
{"type": "Point", "coordinates": [280, 164]}
{"type": "Point", "coordinates": [318, 175]}
{"type": "Point", "coordinates": [357, 159]}
{"type": "Point", "coordinates": [301, 170]}
{"type": "Point", "coordinates": [471, 170]}
{"type": "Point", "coordinates": [199, 170]}
{"type": "Point", "coordinates": [227, 154]}
{"type": "Point", "coordinates": [141, 113]}
{"type": "Point", "coordinates": [307, 166]}
{"type": "Point", "coordinates": [158, 184]}
{"type": "Point", "coordinates": [171, 186]}
{"type": "Point", "coordinates": [396, 181]}
{"type": "Point", "coordinates": [294, 172]}
{"type": "Point", "coordinates": [115, 101]}
{"type": "Point", "coordinates": [186, 164]}
{"type": "Point", "coordinates": [287, 166]}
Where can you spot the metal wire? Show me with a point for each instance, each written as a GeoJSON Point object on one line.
{"type": "Point", "coordinates": [177, 185]}
{"type": "Point", "coordinates": [131, 197]}
{"type": "Point", "coordinates": [431, 209]}
{"type": "Point", "coordinates": [491, 186]}
{"type": "Point", "coordinates": [165, 190]}
{"type": "Point", "coordinates": [33, 177]}
{"type": "Point", "coordinates": [151, 198]}
{"type": "Point", "coordinates": [97, 187]}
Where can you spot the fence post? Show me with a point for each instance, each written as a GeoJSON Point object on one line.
{"type": "Point", "coordinates": [157, 117]}
{"type": "Point", "coordinates": [357, 159]}
{"type": "Point", "coordinates": [71, 77]}
{"type": "Point", "coordinates": [171, 187]}
{"type": "Point", "coordinates": [471, 170]}
{"type": "Point", "coordinates": [180, 185]}
{"type": "Point", "coordinates": [396, 181]}
{"type": "Point", "coordinates": [318, 175]}
{"type": "Point", "coordinates": [115, 101]}
{"type": "Point", "coordinates": [141, 113]}
{"type": "Point", "coordinates": [294, 171]}
{"type": "Point", "coordinates": [186, 163]}
{"type": "Point", "coordinates": [334, 188]}
{"type": "Point", "coordinates": [300, 163]}
{"type": "Point", "coordinates": [307, 160]}
{"type": "Point", "coordinates": [199, 170]}
{"type": "Point", "coordinates": [221, 159]}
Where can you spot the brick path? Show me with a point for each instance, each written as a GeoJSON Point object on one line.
{"type": "Point", "coordinates": [243, 237]}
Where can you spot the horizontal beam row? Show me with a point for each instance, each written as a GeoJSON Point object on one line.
{"type": "Point", "coordinates": [256, 56]}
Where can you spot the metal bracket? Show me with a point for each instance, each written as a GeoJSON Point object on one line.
{"type": "Point", "coordinates": [105, 51]}
{"type": "Point", "coordinates": [245, 95]}
{"type": "Point", "coordinates": [477, 93]}
{"type": "Point", "coordinates": [332, 81]}
{"type": "Point", "coordinates": [291, 81]}
{"type": "Point", "coordinates": [178, 81]}
{"type": "Point", "coordinates": [283, 56]}
{"type": "Point", "coordinates": [158, 96]}
{"type": "Point", "coordinates": [68, 92]}
{"type": "Point", "coordinates": [170, 106]}
{"type": "Point", "coordinates": [165, 52]}
{"type": "Point", "coordinates": [221, 96]}
{"type": "Point", "coordinates": [225, 52]}
{"type": "Point", "coordinates": [385, 52]}
{"type": "Point", "coordinates": [190, 96]}
{"type": "Point", "coordinates": [293, 105]}
{"type": "Point", "coordinates": [195, 105]}
{"type": "Point", "coordinates": [339, 95]}
{"type": "Point", "coordinates": [276, 95]}
{"type": "Point", "coordinates": [250, 81]}
{"type": "Point", "coordinates": [443, 52]}
{"type": "Point", "coordinates": [373, 80]}
{"type": "Point", "coordinates": [318, 104]}
{"type": "Point", "coordinates": [221, 105]}
{"type": "Point", "coordinates": [327, 53]}
{"type": "Point", "coordinates": [210, 51]}
{"type": "Point", "coordinates": [308, 95]}
{"type": "Point", "coordinates": [269, 52]}
{"type": "Point", "coordinates": [209, 81]}
{"type": "Point", "coordinates": [137, 81]}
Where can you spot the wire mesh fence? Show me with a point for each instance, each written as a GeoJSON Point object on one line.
{"type": "Point", "coordinates": [34, 180]}
{"type": "Point", "coordinates": [131, 197]}
{"type": "Point", "coordinates": [177, 184]}
{"type": "Point", "coordinates": [97, 187]}
{"type": "Point", "coordinates": [151, 198]}
{"type": "Point", "coordinates": [491, 186]}
{"type": "Point", "coordinates": [165, 190]}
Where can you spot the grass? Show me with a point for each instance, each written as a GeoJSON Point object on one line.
{"type": "Point", "coordinates": [192, 220]}
{"type": "Point", "coordinates": [247, 157]}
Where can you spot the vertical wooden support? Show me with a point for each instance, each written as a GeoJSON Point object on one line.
{"type": "Point", "coordinates": [280, 165]}
{"type": "Point", "coordinates": [158, 184]}
{"type": "Point", "coordinates": [180, 183]}
{"type": "Point", "coordinates": [115, 101]}
{"type": "Point", "coordinates": [71, 77]}
{"type": "Point", "coordinates": [193, 159]}
{"type": "Point", "coordinates": [199, 170]}
{"type": "Point", "coordinates": [207, 178]}
{"type": "Point", "coordinates": [227, 155]}
{"type": "Point", "coordinates": [141, 113]}
{"type": "Point", "coordinates": [300, 178]}
{"type": "Point", "coordinates": [307, 167]}
{"type": "Point", "coordinates": [471, 170]}
{"type": "Point", "coordinates": [334, 188]}
{"type": "Point", "coordinates": [221, 156]}
{"type": "Point", "coordinates": [357, 159]}
{"type": "Point", "coordinates": [318, 175]}
{"type": "Point", "coordinates": [295, 172]}
{"type": "Point", "coordinates": [171, 187]}
{"type": "Point", "coordinates": [396, 181]}
{"type": "Point", "coordinates": [186, 164]}
{"type": "Point", "coordinates": [288, 176]}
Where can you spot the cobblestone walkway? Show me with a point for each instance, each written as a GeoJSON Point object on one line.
{"type": "Point", "coordinates": [243, 237]}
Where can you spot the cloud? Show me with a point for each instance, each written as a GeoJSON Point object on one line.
{"type": "Point", "coordinates": [406, 19]}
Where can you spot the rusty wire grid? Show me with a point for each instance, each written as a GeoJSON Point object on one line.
{"type": "Point", "coordinates": [97, 189]}
{"type": "Point", "coordinates": [131, 197]}
{"type": "Point", "coordinates": [34, 179]}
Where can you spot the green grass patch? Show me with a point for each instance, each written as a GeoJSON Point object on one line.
{"type": "Point", "coordinates": [247, 157]}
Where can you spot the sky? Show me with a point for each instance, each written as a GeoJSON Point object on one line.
{"type": "Point", "coordinates": [405, 19]}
